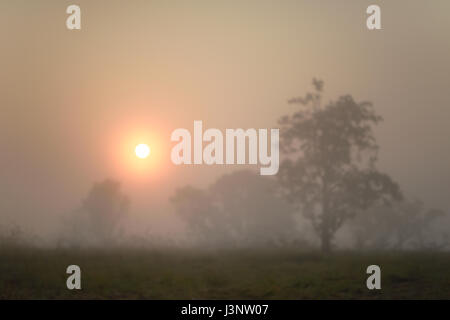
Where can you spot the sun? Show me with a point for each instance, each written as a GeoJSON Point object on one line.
{"type": "Point", "coordinates": [142, 150]}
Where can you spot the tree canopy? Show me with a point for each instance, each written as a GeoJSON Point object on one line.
{"type": "Point", "coordinates": [330, 154]}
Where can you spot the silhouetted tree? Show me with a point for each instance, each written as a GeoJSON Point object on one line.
{"type": "Point", "coordinates": [241, 208]}
{"type": "Point", "coordinates": [329, 168]}
{"type": "Point", "coordinates": [105, 205]}
{"type": "Point", "coordinates": [406, 224]}
{"type": "Point", "coordinates": [15, 236]}
{"type": "Point", "coordinates": [195, 207]}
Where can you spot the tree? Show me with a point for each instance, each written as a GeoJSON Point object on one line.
{"type": "Point", "coordinates": [406, 224]}
{"type": "Point", "coordinates": [194, 206]}
{"type": "Point", "coordinates": [329, 167]}
{"type": "Point", "coordinates": [241, 208]}
{"type": "Point", "coordinates": [105, 205]}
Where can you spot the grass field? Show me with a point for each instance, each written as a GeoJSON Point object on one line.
{"type": "Point", "coordinates": [225, 274]}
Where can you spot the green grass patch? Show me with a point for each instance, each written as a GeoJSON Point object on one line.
{"type": "Point", "coordinates": [225, 274]}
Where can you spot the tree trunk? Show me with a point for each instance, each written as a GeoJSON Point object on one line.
{"type": "Point", "coordinates": [326, 231]}
{"type": "Point", "coordinates": [325, 240]}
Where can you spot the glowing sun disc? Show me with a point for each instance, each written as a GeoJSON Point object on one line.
{"type": "Point", "coordinates": [142, 151]}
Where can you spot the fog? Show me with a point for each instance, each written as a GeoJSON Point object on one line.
{"type": "Point", "coordinates": [74, 104]}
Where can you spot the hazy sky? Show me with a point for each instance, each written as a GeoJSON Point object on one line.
{"type": "Point", "coordinates": [73, 104]}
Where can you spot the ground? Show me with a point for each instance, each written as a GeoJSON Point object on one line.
{"type": "Point", "coordinates": [224, 274]}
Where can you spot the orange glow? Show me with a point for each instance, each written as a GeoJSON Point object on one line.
{"type": "Point", "coordinates": [131, 157]}
{"type": "Point", "coordinates": [123, 129]}
{"type": "Point", "coordinates": [128, 157]}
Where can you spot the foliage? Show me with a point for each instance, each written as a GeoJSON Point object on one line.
{"type": "Point", "coordinates": [240, 209]}
{"type": "Point", "coordinates": [329, 168]}
{"type": "Point", "coordinates": [96, 222]}
{"type": "Point", "coordinates": [403, 225]}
